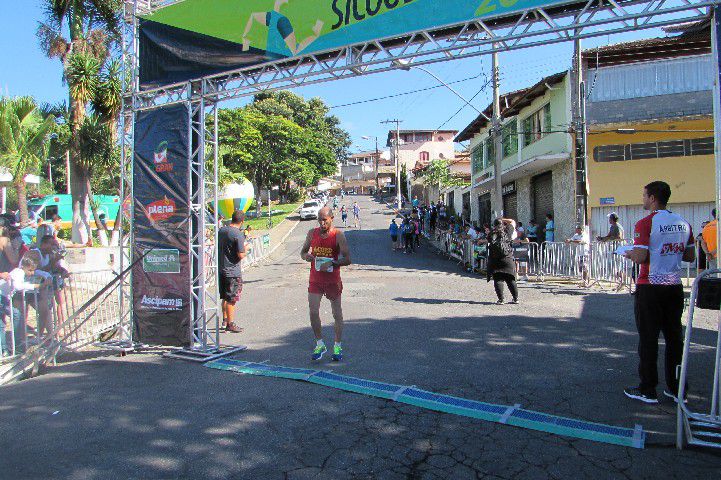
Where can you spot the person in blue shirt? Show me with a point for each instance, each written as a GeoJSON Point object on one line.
{"type": "Point", "coordinates": [393, 229]}
{"type": "Point", "coordinates": [28, 234]}
{"type": "Point", "coordinates": [550, 228]}
{"type": "Point", "coordinates": [281, 40]}
{"type": "Point", "coordinates": [415, 202]}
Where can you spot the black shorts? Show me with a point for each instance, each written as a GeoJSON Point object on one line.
{"type": "Point", "coordinates": [394, 238]}
{"type": "Point", "coordinates": [230, 289]}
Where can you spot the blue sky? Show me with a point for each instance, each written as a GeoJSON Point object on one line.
{"type": "Point", "coordinates": [24, 70]}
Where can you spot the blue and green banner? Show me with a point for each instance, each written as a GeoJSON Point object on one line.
{"type": "Point", "coordinates": [194, 38]}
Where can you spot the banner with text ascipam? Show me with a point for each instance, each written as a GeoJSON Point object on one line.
{"type": "Point", "coordinates": [161, 189]}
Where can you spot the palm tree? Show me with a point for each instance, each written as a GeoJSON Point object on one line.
{"type": "Point", "coordinates": [94, 29]}
{"type": "Point", "coordinates": [24, 142]}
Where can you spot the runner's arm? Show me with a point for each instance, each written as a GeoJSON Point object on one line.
{"type": "Point", "coordinates": [306, 248]}
{"type": "Point", "coordinates": [344, 254]}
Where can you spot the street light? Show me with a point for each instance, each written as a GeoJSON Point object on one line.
{"type": "Point", "coordinates": [404, 64]}
{"type": "Point", "coordinates": [377, 158]}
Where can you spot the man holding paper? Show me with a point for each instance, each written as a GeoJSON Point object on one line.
{"type": "Point", "coordinates": [326, 248]}
{"type": "Point", "coordinates": [661, 241]}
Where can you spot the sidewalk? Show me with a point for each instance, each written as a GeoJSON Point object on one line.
{"type": "Point", "coordinates": [280, 232]}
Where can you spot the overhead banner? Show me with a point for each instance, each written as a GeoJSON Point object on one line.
{"type": "Point", "coordinates": [195, 38]}
{"type": "Point", "coordinates": [161, 193]}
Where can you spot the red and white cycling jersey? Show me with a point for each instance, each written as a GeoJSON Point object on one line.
{"type": "Point", "coordinates": [666, 235]}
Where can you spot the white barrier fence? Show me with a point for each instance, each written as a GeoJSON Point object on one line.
{"type": "Point", "coordinates": [589, 264]}
{"type": "Point", "coordinates": [257, 249]}
{"type": "Point", "coordinates": [52, 313]}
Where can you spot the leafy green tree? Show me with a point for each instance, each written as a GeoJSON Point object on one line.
{"type": "Point", "coordinates": [93, 29]}
{"type": "Point", "coordinates": [331, 142]}
{"type": "Point", "coordinates": [438, 174]}
{"type": "Point", "coordinates": [24, 142]}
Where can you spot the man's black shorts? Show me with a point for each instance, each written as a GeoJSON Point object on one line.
{"type": "Point", "coordinates": [230, 288]}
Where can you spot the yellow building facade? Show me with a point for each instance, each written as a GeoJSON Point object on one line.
{"type": "Point", "coordinates": [622, 158]}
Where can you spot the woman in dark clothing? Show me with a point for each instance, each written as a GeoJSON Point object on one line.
{"type": "Point", "coordinates": [501, 264]}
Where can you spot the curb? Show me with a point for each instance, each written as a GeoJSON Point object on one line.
{"type": "Point", "coordinates": [282, 240]}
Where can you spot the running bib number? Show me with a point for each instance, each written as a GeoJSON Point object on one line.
{"type": "Point", "coordinates": [321, 263]}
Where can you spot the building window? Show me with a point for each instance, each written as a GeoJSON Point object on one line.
{"type": "Point", "coordinates": [647, 150]}
{"type": "Point", "coordinates": [490, 152]}
{"type": "Point", "coordinates": [423, 137]}
{"type": "Point", "coordinates": [537, 125]}
{"type": "Point", "coordinates": [424, 156]}
{"type": "Point", "coordinates": [510, 138]}
{"type": "Point", "coordinates": [477, 159]}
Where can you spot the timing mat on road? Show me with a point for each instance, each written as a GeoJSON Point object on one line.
{"type": "Point", "coordinates": [509, 415]}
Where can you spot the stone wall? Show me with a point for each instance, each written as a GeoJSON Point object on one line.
{"type": "Point", "coordinates": [564, 200]}
{"type": "Point", "coordinates": [523, 189]}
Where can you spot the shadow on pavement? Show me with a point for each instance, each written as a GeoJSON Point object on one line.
{"type": "Point", "coordinates": [149, 417]}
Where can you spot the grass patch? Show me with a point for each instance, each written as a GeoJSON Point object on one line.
{"type": "Point", "coordinates": [280, 211]}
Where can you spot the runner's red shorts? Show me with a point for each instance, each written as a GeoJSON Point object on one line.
{"type": "Point", "coordinates": [330, 290]}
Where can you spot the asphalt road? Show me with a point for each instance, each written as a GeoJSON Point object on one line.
{"type": "Point", "coordinates": [410, 319]}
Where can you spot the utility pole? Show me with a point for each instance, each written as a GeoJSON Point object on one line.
{"type": "Point", "coordinates": [398, 159]}
{"type": "Point", "coordinates": [378, 159]}
{"type": "Point", "coordinates": [579, 125]}
{"type": "Point", "coordinates": [496, 130]}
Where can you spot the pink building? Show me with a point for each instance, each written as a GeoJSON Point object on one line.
{"type": "Point", "coordinates": [418, 147]}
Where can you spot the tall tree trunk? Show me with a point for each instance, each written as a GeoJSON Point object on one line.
{"type": "Point", "coordinates": [257, 185]}
{"type": "Point", "coordinates": [79, 179]}
{"type": "Point", "coordinates": [81, 205]}
{"type": "Point", "coordinates": [21, 190]}
{"type": "Point", "coordinates": [101, 227]}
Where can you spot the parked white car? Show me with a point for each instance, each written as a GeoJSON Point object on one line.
{"type": "Point", "coordinates": [310, 209]}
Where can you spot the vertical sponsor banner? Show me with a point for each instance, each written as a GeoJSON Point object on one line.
{"type": "Point", "coordinates": [161, 193]}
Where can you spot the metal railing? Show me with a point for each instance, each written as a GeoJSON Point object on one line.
{"type": "Point", "coordinates": [67, 315]}
{"type": "Point", "coordinates": [257, 249]}
{"type": "Point", "coordinates": [590, 264]}
{"type": "Point", "coordinates": [696, 427]}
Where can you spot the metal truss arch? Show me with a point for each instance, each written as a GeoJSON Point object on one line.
{"type": "Point", "coordinates": [528, 28]}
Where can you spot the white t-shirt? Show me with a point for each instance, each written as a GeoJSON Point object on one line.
{"type": "Point", "coordinates": [584, 240]}
{"type": "Point", "coordinates": [15, 283]}
{"type": "Point", "coordinates": [666, 236]}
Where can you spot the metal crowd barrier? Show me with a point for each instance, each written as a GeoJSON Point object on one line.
{"type": "Point", "coordinates": [257, 250]}
{"type": "Point", "coordinates": [702, 428]}
{"type": "Point", "coordinates": [68, 314]}
{"type": "Point", "coordinates": [591, 264]}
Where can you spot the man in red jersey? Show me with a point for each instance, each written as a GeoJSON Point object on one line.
{"type": "Point", "coordinates": [661, 241]}
{"type": "Point", "coordinates": [327, 250]}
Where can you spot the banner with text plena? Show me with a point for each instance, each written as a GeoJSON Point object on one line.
{"type": "Point", "coordinates": [161, 192]}
{"type": "Point", "coordinates": [195, 38]}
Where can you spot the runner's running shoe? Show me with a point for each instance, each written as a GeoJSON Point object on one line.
{"type": "Point", "coordinates": [318, 352]}
{"type": "Point", "coordinates": [337, 353]}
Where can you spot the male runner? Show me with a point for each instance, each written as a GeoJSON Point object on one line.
{"type": "Point", "coordinates": [661, 241]}
{"type": "Point", "coordinates": [327, 250]}
{"type": "Point", "coordinates": [356, 214]}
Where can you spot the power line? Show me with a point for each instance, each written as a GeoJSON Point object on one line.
{"type": "Point", "coordinates": [464, 106]}
{"type": "Point", "coordinates": [405, 93]}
